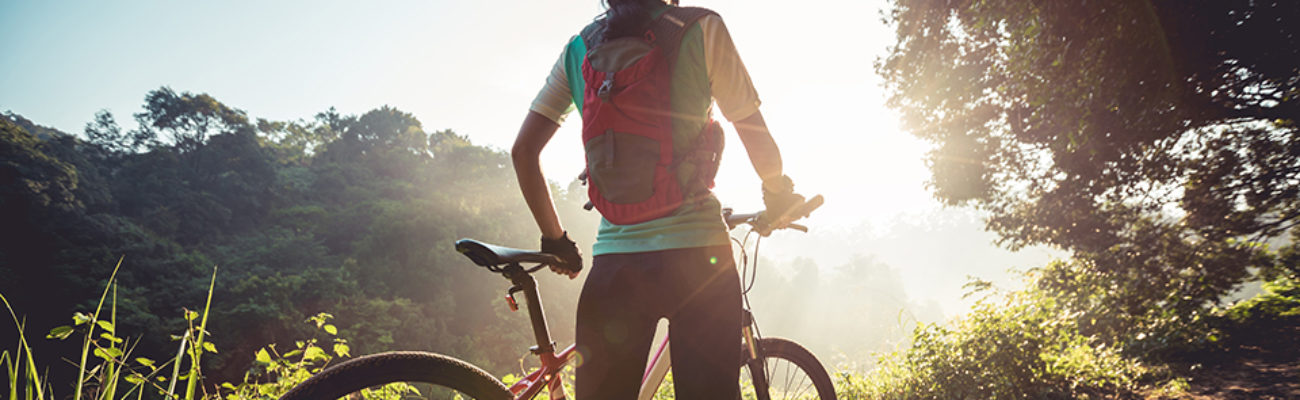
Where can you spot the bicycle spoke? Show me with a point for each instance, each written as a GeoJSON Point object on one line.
{"type": "Point", "coordinates": [787, 381]}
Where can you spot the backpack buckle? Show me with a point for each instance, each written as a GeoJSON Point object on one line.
{"type": "Point", "coordinates": [606, 87]}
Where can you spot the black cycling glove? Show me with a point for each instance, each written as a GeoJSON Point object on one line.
{"type": "Point", "coordinates": [779, 197]}
{"type": "Point", "coordinates": [566, 250]}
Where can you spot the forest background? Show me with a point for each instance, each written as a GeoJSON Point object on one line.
{"type": "Point", "coordinates": [1162, 183]}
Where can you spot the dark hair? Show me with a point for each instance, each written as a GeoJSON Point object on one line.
{"type": "Point", "coordinates": [628, 17]}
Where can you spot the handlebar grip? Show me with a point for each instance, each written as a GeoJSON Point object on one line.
{"type": "Point", "coordinates": [810, 205]}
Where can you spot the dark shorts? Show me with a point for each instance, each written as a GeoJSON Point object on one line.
{"type": "Point", "coordinates": [625, 295]}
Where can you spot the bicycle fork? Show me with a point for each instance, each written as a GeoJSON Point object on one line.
{"type": "Point", "coordinates": [757, 368]}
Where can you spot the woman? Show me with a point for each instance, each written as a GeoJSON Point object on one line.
{"type": "Point", "coordinates": [673, 261]}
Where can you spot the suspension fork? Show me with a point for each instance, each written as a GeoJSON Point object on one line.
{"type": "Point", "coordinates": [757, 368]}
{"type": "Point", "coordinates": [747, 333]}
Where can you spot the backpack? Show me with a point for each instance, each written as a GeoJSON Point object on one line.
{"type": "Point", "coordinates": [636, 173]}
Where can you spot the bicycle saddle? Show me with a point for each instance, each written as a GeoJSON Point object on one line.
{"type": "Point", "coordinates": [490, 255]}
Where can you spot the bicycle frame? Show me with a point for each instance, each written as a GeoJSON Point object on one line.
{"type": "Point", "coordinates": [548, 375]}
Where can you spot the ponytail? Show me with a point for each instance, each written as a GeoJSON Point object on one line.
{"type": "Point", "coordinates": [625, 18]}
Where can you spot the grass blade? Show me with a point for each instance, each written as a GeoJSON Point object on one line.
{"type": "Point", "coordinates": [85, 349]}
{"type": "Point", "coordinates": [22, 347]}
{"type": "Point", "coordinates": [176, 366]}
{"type": "Point", "coordinates": [12, 371]}
{"type": "Point", "coordinates": [198, 343]}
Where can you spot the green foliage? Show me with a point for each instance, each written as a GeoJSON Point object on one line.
{"type": "Point", "coordinates": [1154, 140]}
{"type": "Point", "coordinates": [101, 377]}
{"type": "Point", "coordinates": [273, 372]}
{"type": "Point", "coordinates": [1278, 305]}
{"type": "Point", "coordinates": [1021, 344]}
{"type": "Point", "coordinates": [354, 214]}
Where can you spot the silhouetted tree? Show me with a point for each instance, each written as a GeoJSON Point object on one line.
{"type": "Point", "coordinates": [1158, 140]}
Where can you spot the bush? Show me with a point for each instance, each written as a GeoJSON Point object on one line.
{"type": "Point", "coordinates": [1019, 344]}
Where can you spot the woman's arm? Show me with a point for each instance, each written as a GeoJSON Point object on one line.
{"type": "Point", "coordinates": [758, 142]}
{"type": "Point", "coordinates": [535, 132]}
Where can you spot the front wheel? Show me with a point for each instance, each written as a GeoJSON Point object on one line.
{"type": "Point", "coordinates": [784, 370]}
{"type": "Point", "coordinates": [455, 378]}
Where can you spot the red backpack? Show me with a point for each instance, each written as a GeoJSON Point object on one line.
{"type": "Point", "coordinates": [636, 172]}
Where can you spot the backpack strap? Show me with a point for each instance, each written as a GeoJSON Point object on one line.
{"type": "Point", "coordinates": [593, 34]}
{"type": "Point", "coordinates": [667, 31]}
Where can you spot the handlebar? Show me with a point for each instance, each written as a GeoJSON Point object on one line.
{"type": "Point", "coordinates": [782, 222]}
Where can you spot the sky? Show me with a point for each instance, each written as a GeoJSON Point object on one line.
{"type": "Point", "coordinates": [474, 67]}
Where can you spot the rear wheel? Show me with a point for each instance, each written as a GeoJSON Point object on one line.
{"type": "Point", "coordinates": [450, 377]}
{"type": "Point", "coordinates": [784, 370]}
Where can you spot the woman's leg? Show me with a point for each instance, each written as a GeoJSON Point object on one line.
{"type": "Point", "coordinates": [616, 323]}
{"type": "Point", "coordinates": [705, 327]}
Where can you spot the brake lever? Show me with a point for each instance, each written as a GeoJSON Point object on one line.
{"type": "Point", "coordinates": [794, 213]}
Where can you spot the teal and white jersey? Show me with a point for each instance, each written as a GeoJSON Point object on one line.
{"type": "Point", "coordinates": [708, 69]}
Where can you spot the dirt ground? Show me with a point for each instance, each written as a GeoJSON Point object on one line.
{"type": "Point", "coordinates": [1265, 367]}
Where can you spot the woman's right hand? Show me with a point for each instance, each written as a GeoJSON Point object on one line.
{"type": "Point", "coordinates": [567, 251]}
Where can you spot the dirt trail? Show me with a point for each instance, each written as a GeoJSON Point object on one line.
{"type": "Point", "coordinates": [1266, 367]}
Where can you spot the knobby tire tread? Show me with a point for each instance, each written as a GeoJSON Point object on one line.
{"type": "Point", "coordinates": [774, 347]}
{"type": "Point", "coordinates": [399, 366]}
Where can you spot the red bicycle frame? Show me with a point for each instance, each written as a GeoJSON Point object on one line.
{"type": "Point", "coordinates": [547, 376]}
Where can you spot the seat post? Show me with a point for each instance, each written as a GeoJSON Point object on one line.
{"type": "Point", "coordinates": [525, 281]}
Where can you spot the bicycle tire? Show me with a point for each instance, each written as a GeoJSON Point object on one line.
{"type": "Point", "coordinates": [772, 351]}
{"type": "Point", "coordinates": [399, 366]}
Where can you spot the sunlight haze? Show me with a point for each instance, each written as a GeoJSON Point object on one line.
{"type": "Point", "coordinates": [474, 67]}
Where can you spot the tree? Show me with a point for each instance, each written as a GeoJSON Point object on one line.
{"type": "Point", "coordinates": [189, 119]}
{"type": "Point", "coordinates": [107, 135]}
{"type": "Point", "coordinates": [30, 180]}
{"type": "Point", "coordinates": [1158, 140]}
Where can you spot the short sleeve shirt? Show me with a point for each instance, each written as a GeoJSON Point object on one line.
{"type": "Point", "coordinates": [708, 70]}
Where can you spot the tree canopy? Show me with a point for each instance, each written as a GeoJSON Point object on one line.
{"type": "Point", "coordinates": [1157, 140]}
{"type": "Point", "coordinates": [349, 214]}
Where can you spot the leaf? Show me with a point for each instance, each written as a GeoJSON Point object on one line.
{"type": "Point", "coordinates": [191, 315]}
{"type": "Point", "coordinates": [227, 385]}
{"type": "Point", "coordinates": [342, 350]}
{"type": "Point", "coordinates": [109, 337]}
{"type": "Point", "coordinates": [134, 379]}
{"type": "Point", "coordinates": [262, 356]}
{"type": "Point", "coordinates": [60, 333]}
{"type": "Point", "coordinates": [211, 348]}
{"type": "Point", "coordinates": [145, 362]}
{"type": "Point", "coordinates": [292, 353]}
{"type": "Point", "coordinates": [79, 318]}
{"type": "Point", "coordinates": [105, 325]}
{"type": "Point", "coordinates": [315, 353]}
{"type": "Point", "coordinates": [108, 354]}
{"type": "Point", "coordinates": [330, 329]}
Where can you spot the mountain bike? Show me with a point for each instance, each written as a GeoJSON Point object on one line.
{"type": "Point", "coordinates": [775, 368]}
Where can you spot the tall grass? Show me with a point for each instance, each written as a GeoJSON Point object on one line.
{"type": "Point", "coordinates": [14, 363]}
{"type": "Point", "coordinates": [109, 364]}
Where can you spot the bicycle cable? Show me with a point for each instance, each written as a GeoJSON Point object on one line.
{"type": "Point", "coordinates": [752, 275]}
